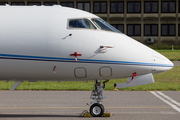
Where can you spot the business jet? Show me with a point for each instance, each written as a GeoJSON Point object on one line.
{"type": "Point", "coordinates": [54, 43]}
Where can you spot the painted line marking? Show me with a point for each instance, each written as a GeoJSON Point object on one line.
{"type": "Point", "coordinates": [166, 101]}
{"type": "Point", "coordinates": [168, 98]}
{"type": "Point", "coordinates": [72, 107]}
{"type": "Point", "coordinates": [161, 112]}
{"type": "Point", "coordinates": [138, 107]}
{"type": "Point", "coordinates": [40, 107]}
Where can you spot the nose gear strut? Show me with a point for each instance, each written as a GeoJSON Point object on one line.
{"type": "Point", "coordinates": [97, 109]}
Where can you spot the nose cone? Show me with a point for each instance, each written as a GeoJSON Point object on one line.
{"type": "Point", "coordinates": [161, 63]}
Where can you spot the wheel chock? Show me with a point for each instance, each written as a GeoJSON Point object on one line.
{"type": "Point", "coordinates": [87, 115]}
{"type": "Point", "coordinates": [107, 114]}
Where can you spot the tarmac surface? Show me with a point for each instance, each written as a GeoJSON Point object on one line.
{"type": "Point", "coordinates": [68, 105]}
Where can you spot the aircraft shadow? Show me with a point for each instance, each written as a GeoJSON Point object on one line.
{"type": "Point", "coordinates": [32, 115]}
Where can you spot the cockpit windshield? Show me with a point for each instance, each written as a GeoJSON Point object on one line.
{"type": "Point", "coordinates": [93, 23]}
{"type": "Point", "coordinates": [81, 23]}
{"type": "Point", "coordinates": [101, 24]}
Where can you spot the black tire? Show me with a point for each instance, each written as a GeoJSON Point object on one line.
{"type": "Point", "coordinates": [96, 110]}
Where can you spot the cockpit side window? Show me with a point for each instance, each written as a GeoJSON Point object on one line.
{"type": "Point", "coordinates": [101, 24]}
{"type": "Point", "coordinates": [81, 23]}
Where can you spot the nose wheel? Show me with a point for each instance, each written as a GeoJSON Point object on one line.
{"type": "Point", "coordinates": [97, 110]}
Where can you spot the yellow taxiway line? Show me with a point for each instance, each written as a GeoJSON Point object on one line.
{"type": "Point", "coordinates": [71, 107]}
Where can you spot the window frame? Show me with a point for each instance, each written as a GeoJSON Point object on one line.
{"type": "Point", "coordinates": [178, 29]}
{"type": "Point", "coordinates": [116, 26]}
{"type": "Point", "coordinates": [116, 7]}
{"type": "Point", "coordinates": [169, 29]}
{"type": "Point", "coordinates": [101, 24]}
{"type": "Point", "coordinates": [18, 4]}
{"type": "Point", "coordinates": [133, 6]}
{"type": "Point", "coordinates": [151, 6]}
{"type": "Point", "coordinates": [3, 3]}
{"type": "Point", "coordinates": [50, 2]}
{"type": "Point", "coordinates": [133, 29]}
{"type": "Point", "coordinates": [151, 30]}
{"type": "Point", "coordinates": [68, 21]}
{"type": "Point", "coordinates": [33, 3]}
{"type": "Point", "coordinates": [67, 3]}
{"type": "Point", "coordinates": [100, 8]}
{"type": "Point", "coordinates": [84, 6]}
{"type": "Point", "coordinates": [168, 7]}
{"type": "Point", "coordinates": [179, 7]}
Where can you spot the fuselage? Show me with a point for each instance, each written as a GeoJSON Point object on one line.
{"type": "Point", "coordinates": [36, 43]}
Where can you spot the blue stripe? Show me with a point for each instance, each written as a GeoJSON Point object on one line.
{"type": "Point", "coordinates": [40, 58]}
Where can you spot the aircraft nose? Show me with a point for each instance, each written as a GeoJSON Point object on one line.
{"type": "Point", "coordinates": [161, 63]}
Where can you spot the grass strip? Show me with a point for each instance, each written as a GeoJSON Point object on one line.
{"type": "Point", "coordinates": [171, 55]}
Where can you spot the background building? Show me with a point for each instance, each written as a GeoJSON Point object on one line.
{"type": "Point", "coordinates": [143, 20]}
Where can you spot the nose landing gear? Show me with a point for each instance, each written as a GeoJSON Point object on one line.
{"type": "Point", "coordinates": [97, 109]}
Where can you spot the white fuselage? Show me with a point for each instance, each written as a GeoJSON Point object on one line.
{"type": "Point", "coordinates": [35, 44]}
